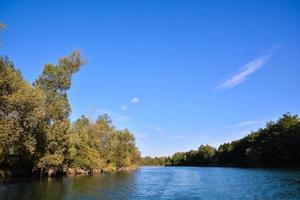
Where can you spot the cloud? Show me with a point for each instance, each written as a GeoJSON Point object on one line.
{"type": "Point", "coordinates": [140, 136]}
{"type": "Point", "coordinates": [113, 115]}
{"type": "Point", "coordinates": [244, 72]}
{"type": "Point", "coordinates": [135, 100]}
{"type": "Point", "coordinates": [156, 129]}
{"type": "Point", "coordinates": [175, 136]}
{"type": "Point", "coordinates": [117, 116]}
{"type": "Point", "coordinates": [124, 108]}
{"type": "Point", "coordinates": [247, 123]}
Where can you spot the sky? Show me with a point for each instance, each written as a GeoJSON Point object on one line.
{"type": "Point", "coordinates": [177, 74]}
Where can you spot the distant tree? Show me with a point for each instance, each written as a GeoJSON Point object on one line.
{"type": "Point", "coordinates": [278, 144]}
{"type": "Point", "coordinates": [205, 154]}
{"type": "Point", "coordinates": [224, 153]}
{"type": "Point", "coordinates": [156, 161]}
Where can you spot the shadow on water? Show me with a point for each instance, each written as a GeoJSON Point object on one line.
{"type": "Point", "coordinates": [108, 186]}
{"type": "Point", "coordinates": [105, 186]}
{"type": "Point", "coordinates": [32, 188]}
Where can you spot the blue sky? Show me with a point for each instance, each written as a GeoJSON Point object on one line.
{"type": "Point", "coordinates": [177, 74]}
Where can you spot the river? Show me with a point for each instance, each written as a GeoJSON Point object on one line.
{"type": "Point", "coordinates": [148, 183]}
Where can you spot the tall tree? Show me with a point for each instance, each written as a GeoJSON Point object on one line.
{"type": "Point", "coordinates": [55, 81]}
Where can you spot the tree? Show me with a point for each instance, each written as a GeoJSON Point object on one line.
{"type": "Point", "coordinates": [95, 145]}
{"type": "Point", "coordinates": [205, 154]}
{"type": "Point", "coordinates": [100, 134]}
{"type": "Point", "coordinates": [80, 153]}
{"type": "Point", "coordinates": [159, 161]}
{"type": "Point", "coordinates": [55, 81]}
{"type": "Point", "coordinates": [223, 154]}
{"type": "Point", "coordinates": [21, 119]}
{"type": "Point", "coordinates": [278, 144]}
{"type": "Point", "coordinates": [122, 148]}
{"type": "Point", "coordinates": [35, 130]}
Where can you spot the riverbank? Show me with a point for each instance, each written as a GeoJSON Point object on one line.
{"type": "Point", "coordinates": [7, 173]}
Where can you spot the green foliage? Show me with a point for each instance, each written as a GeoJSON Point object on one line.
{"type": "Point", "coordinates": [203, 156]}
{"type": "Point", "coordinates": [156, 161]}
{"type": "Point", "coordinates": [35, 130]}
{"type": "Point", "coordinates": [99, 145]}
{"type": "Point", "coordinates": [81, 153]}
{"type": "Point", "coordinates": [55, 81]}
{"type": "Point", "coordinates": [21, 118]}
{"type": "Point", "coordinates": [122, 149]}
{"type": "Point", "coordinates": [276, 145]}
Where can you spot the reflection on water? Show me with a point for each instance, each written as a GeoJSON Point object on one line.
{"type": "Point", "coordinates": [161, 183]}
{"type": "Point", "coordinates": [24, 188]}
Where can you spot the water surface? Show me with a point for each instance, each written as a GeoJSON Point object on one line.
{"type": "Point", "coordinates": [161, 183]}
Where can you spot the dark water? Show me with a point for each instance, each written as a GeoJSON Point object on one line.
{"type": "Point", "coordinates": [162, 183]}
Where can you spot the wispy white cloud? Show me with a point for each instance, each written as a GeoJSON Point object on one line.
{"type": "Point", "coordinates": [135, 100]}
{"type": "Point", "coordinates": [123, 108]}
{"type": "Point", "coordinates": [175, 136]}
{"type": "Point", "coordinates": [118, 117]}
{"type": "Point", "coordinates": [140, 136]}
{"type": "Point", "coordinates": [156, 129]}
{"type": "Point", "coordinates": [248, 123]}
{"type": "Point", "coordinates": [244, 72]}
{"type": "Point", "coordinates": [115, 116]}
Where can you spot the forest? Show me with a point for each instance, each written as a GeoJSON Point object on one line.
{"type": "Point", "coordinates": [37, 136]}
{"type": "Point", "coordinates": [276, 145]}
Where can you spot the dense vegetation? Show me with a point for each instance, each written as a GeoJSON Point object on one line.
{"type": "Point", "coordinates": [276, 145]}
{"type": "Point", "coordinates": [36, 133]}
{"type": "Point", "coordinates": [156, 161]}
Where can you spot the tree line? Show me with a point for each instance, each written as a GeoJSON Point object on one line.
{"type": "Point", "coordinates": [36, 133]}
{"type": "Point", "coordinates": [276, 145]}
{"type": "Point", "coordinates": [157, 161]}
